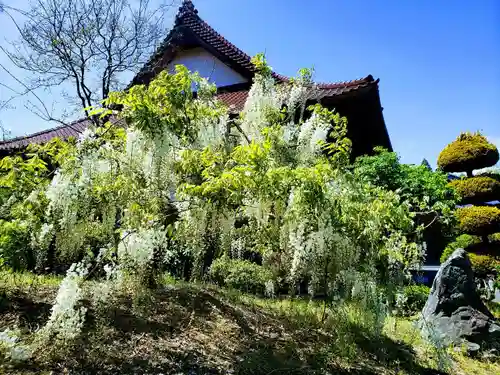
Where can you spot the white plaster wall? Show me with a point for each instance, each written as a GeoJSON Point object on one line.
{"type": "Point", "coordinates": [201, 61]}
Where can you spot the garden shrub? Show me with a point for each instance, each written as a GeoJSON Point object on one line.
{"type": "Point", "coordinates": [479, 220]}
{"type": "Point", "coordinates": [483, 264]}
{"type": "Point", "coordinates": [495, 237]}
{"type": "Point", "coordinates": [482, 256]}
{"type": "Point", "coordinates": [424, 189]}
{"type": "Point", "coordinates": [24, 177]}
{"type": "Point", "coordinates": [485, 248]}
{"type": "Point", "coordinates": [240, 274]}
{"type": "Point", "coordinates": [477, 190]}
{"type": "Point", "coordinates": [463, 241]}
{"type": "Point", "coordinates": [468, 152]}
{"type": "Point", "coordinates": [15, 251]}
{"type": "Point", "coordinates": [491, 173]}
{"type": "Point", "coordinates": [431, 198]}
{"type": "Point", "coordinates": [413, 298]}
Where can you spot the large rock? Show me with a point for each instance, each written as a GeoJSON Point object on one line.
{"type": "Point", "coordinates": [454, 312]}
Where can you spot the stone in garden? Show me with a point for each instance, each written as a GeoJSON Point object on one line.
{"type": "Point", "coordinates": [454, 312]}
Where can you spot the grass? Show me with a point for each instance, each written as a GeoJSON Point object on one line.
{"type": "Point", "coordinates": [186, 328]}
{"type": "Point", "coordinates": [27, 280]}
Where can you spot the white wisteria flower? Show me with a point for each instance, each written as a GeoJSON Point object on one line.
{"type": "Point", "coordinates": [68, 316]}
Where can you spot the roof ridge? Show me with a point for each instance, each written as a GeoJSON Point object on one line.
{"type": "Point", "coordinates": [188, 8]}
{"type": "Point", "coordinates": [355, 82]}
{"type": "Point", "coordinates": [188, 16]}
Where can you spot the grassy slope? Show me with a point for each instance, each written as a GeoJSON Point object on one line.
{"type": "Point", "coordinates": [193, 329]}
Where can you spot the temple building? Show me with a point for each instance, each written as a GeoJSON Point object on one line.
{"type": "Point", "coordinates": [195, 44]}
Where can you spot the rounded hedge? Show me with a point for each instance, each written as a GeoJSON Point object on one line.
{"type": "Point", "coordinates": [475, 190]}
{"type": "Point", "coordinates": [479, 220]}
{"type": "Point", "coordinates": [240, 274]}
{"type": "Point", "coordinates": [468, 152]}
{"type": "Point", "coordinates": [484, 257]}
{"type": "Point", "coordinates": [463, 241]}
{"type": "Point", "coordinates": [483, 265]}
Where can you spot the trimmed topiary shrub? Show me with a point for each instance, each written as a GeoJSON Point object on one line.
{"type": "Point", "coordinates": [461, 242]}
{"type": "Point", "coordinates": [485, 248]}
{"type": "Point", "coordinates": [240, 274]}
{"type": "Point", "coordinates": [493, 175]}
{"type": "Point", "coordinates": [468, 152]}
{"type": "Point", "coordinates": [482, 256]}
{"type": "Point", "coordinates": [495, 237]}
{"type": "Point", "coordinates": [477, 190]}
{"type": "Point", "coordinates": [484, 264]}
{"type": "Point", "coordinates": [479, 220]}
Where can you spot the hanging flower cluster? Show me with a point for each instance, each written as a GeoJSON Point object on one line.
{"type": "Point", "coordinates": [185, 181]}
{"type": "Point", "coordinates": [136, 250]}
{"type": "Point", "coordinates": [68, 315]}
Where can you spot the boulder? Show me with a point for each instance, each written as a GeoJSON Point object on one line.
{"type": "Point", "coordinates": [454, 312]}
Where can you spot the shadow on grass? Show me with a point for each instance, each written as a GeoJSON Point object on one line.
{"type": "Point", "coordinates": [380, 355]}
{"type": "Point", "coordinates": [21, 309]}
{"type": "Point", "coordinates": [397, 356]}
{"type": "Point", "coordinates": [164, 341]}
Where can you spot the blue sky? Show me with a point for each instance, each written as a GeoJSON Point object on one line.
{"type": "Point", "coordinates": [438, 61]}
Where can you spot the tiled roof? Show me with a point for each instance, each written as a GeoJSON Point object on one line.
{"type": "Point", "coordinates": [235, 100]}
{"type": "Point", "coordinates": [64, 131]}
{"type": "Point", "coordinates": [187, 25]}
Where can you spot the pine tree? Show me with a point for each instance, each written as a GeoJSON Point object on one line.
{"type": "Point", "coordinates": [426, 164]}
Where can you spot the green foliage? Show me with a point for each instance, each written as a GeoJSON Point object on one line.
{"type": "Point", "coordinates": [477, 190]}
{"type": "Point", "coordinates": [15, 250]}
{"type": "Point", "coordinates": [167, 105]}
{"type": "Point", "coordinates": [494, 308]}
{"type": "Point", "coordinates": [185, 186]}
{"type": "Point", "coordinates": [425, 190]}
{"type": "Point", "coordinates": [308, 217]}
{"type": "Point", "coordinates": [23, 180]}
{"type": "Point", "coordinates": [479, 220]}
{"type": "Point", "coordinates": [495, 237]}
{"type": "Point", "coordinates": [484, 265]}
{"type": "Point", "coordinates": [414, 299]}
{"type": "Point", "coordinates": [468, 152]}
{"type": "Point", "coordinates": [20, 174]}
{"type": "Point", "coordinates": [260, 63]}
{"type": "Point", "coordinates": [240, 274]}
{"type": "Point", "coordinates": [483, 260]}
{"type": "Point", "coordinates": [425, 163]}
{"type": "Point", "coordinates": [463, 241]}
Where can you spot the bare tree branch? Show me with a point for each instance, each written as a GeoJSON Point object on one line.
{"type": "Point", "coordinates": [87, 43]}
{"type": "Point", "coordinates": [40, 110]}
